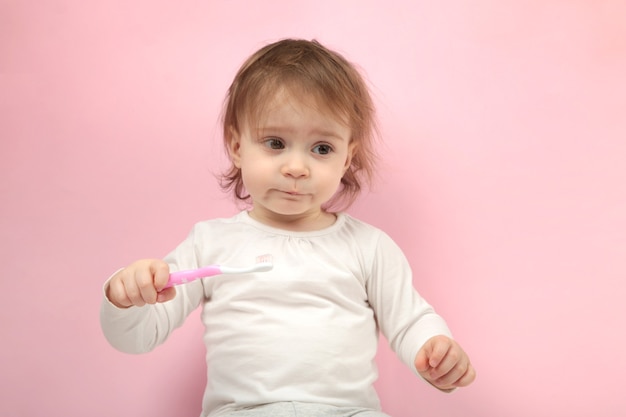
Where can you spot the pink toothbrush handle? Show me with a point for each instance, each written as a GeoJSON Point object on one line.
{"type": "Point", "coordinates": [183, 277]}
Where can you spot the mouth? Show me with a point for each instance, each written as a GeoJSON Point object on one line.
{"type": "Point", "coordinates": [292, 193]}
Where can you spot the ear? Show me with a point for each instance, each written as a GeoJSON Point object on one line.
{"type": "Point", "coordinates": [234, 146]}
{"type": "Point", "coordinates": [351, 151]}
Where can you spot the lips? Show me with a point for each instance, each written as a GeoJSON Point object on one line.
{"type": "Point", "coordinates": [291, 193]}
{"type": "Point", "coordinates": [288, 191]}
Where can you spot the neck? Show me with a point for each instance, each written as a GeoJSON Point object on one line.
{"type": "Point", "coordinates": [305, 222]}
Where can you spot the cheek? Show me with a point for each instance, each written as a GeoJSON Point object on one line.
{"type": "Point", "coordinates": [254, 170]}
{"type": "Point", "coordinates": [254, 163]}
{"type": "Point", "coordinates": [331, 176]}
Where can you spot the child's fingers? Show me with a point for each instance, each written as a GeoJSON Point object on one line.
{"type": "Point", "coordinates": [116, 293]}
{"type": "Point", "coordinates": [448, 362]}
{"type": "Point", "coordinates": [439, 347]}
{"type": "Point", "coordinates": [451, 369]}
{"type": "Point", "coordinates": [133, 291]}
{"type": "Point", "coordinates": [139, 284]}
{"type": "Point", "coordinates": [459, 376]}
{"type": "Point", "coordinates": [144, 284]}
{"type": "Point", "coordinates": [166, 295]}
{"type": "Point", "coordinates": [432, 353]}
{"type": "Point", "coordinates": [467, 378]}
{"type": "Point", "coordinates": [161, 273]}
{"type": "Point", "coordinates": [421, 361]}
{"type": "Point", "coordinates": [454, 370]}
{"type": "Point", "coordinates": [443, 363]}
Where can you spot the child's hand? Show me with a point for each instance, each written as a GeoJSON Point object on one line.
{"type": "Point", "coordinates": [140, 283]}
{"type": "Point", "coordinates": [443, 363]}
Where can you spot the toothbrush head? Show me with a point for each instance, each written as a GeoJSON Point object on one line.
{"type": "Point", "coordinates": [264, 263]}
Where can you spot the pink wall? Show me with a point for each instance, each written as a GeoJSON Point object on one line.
{"type": "Point", "coordinates": [504, 181]}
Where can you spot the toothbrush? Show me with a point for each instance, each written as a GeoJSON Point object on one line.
{"type": "Point", "coordinates": [263, 264]}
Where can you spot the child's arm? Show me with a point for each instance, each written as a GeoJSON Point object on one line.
{"type": "Point", "coordinates": [415, 331]}
{"type": "Point", "coordinates": [134, 314]}
{"type": "Point", "coordinates": [443, 363]}
{"type": "Point", "coordinates": [139, 284]}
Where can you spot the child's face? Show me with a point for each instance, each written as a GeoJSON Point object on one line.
{"type": "Point", "coordinates": [292, 161]}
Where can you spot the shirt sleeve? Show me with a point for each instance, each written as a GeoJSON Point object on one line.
{"type": "Point", "coordinates": [141, 329]}
{"type": "Point", "coordinates": [403, 316]}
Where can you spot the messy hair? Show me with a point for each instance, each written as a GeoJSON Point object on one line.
{"type": "Point", "coordinates": [308, 68]}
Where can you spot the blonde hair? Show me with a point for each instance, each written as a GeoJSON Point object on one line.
{"type": "Point", "coordinates": [306, 67]}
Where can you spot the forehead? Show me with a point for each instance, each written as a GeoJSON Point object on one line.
{"type": "Point", "coordinates": [286, 105]}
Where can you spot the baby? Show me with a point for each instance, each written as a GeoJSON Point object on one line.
{"type": "Point", "coordinates": [301, 339]}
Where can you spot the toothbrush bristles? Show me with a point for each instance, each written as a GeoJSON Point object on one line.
{"type": "Point", "coordinates": [262, 259]}
{"type": "Point", "coordinates": [264, 262]}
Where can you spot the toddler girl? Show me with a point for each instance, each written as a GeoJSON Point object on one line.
{"type": "Point", "coordinates": [301, 339]}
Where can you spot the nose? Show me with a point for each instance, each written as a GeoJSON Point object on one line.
{"type": "Point", "coordinates": [294, 166]}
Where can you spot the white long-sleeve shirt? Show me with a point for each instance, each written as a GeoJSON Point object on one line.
{"type": "Point", "coordinates": [305, 331]}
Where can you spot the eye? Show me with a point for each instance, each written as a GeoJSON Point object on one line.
{"type": "Point", "coordinates": [274, 143]}
{"type": "Point", "coordinates": [322, 149]}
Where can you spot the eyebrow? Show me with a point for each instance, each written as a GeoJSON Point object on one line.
{"type": "Point", "coordinates": [283, 130]}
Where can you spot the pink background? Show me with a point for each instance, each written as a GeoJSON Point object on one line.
{"type": "Point", "coordinates": [504, 180]}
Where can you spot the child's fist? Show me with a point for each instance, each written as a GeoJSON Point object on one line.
{"type": "Point", "coordinates": [443, 363]}
{"type": "Point", "coordinates": [140, 283]}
